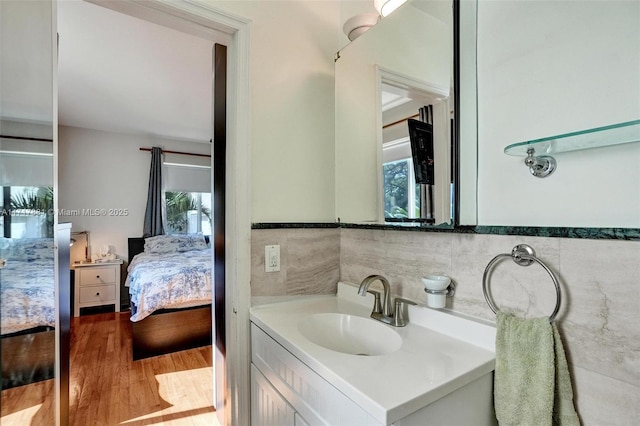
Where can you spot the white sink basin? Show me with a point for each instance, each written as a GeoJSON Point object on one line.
{"type": "Point", "coordinates": [350, 334]}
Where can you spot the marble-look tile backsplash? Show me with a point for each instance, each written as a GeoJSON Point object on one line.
{"type": "Point", "coordinates": [600, 280]}
{"type": "Point", "coordinates": [309, 262]}
{"type": "Point", "coordinates": [599, 314]}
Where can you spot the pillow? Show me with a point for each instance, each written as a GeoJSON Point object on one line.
{"type": "Point", "coordinates": [174, 243]}
{"type": "Point", "coordinates": [29, 249]}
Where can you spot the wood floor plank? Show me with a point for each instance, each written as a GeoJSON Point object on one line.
{"type": "Point", "coordinates": [108, 388]}
{"type": "Point", "coordinates": [29, 404]}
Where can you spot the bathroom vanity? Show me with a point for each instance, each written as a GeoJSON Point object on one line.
{"type": "Point", "coordinates": [320, 360]}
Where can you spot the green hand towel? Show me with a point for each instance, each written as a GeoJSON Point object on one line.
{"type": "Point", "coordinates": [564, 413]}
{"type": "Point", "coordinates": [526, 374]}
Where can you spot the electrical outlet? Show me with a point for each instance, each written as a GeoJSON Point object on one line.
{"type": "Point", "coordinates": [272, 258]}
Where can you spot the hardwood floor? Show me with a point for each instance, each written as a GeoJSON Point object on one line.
{"type": "Point", "coordinates": [28, 405]}
{"type": "Point", "coordinates": [108, 388]}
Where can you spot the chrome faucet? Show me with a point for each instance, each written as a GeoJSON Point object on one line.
{"type": "Point", "coordinates": [385, 312]}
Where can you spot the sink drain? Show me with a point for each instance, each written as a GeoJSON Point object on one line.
{"type": "Point", "coordinates": [363, 354]}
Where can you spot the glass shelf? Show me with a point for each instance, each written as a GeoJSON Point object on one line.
{"type": "Point", "coordinates": [614, 134]}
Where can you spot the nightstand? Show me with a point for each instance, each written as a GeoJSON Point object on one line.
{"type": "Point", "coordinates": [97, 284]}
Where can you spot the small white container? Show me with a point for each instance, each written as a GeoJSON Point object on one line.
{"type": "Point", "coordinates": [437, 287]}
{"type": "Point", "coordinates": [436, 282]}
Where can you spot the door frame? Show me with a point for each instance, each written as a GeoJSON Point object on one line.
{"type": "Point", "coordinates": [200, 18]}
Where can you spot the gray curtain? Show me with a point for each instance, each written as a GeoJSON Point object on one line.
{"type": "Point", "coordinates": [153, 214]}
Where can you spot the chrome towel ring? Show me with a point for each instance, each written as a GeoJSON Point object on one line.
{"type": "Point", "coordinates": [523, 255]}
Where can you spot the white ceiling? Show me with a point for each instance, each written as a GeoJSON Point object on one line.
{"type": "Point", "coordinates": [120, 73]}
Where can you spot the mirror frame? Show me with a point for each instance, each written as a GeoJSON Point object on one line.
{"type": "Point", "coordinates": [465, 15]}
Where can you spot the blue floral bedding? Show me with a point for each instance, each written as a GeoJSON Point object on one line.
{"type": "Point", "coordinates": [169, 280]}
{"type": "Point", "coordinates": [27, 298]}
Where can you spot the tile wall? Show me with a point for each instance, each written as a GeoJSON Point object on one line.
{"type": "Point", "coordinates": [309, 262]}
{"type": "Point", "coordinates": [599, 317]}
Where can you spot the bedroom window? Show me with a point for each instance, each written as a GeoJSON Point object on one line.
{"type": "Point", "coordinates": [188, 212]}
{"type": "Point", "coordinates": [27, 212]}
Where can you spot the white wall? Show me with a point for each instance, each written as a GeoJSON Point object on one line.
{"type": "Point", "coordinates": [105, 170]}
{"type": "Point", "coordinates": [292, 104]}
{"type": "Point", "coordinates": [547, 68]}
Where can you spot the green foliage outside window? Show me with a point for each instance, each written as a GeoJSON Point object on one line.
{"type": "Point", "coordinates": [396, 197]}
{"type": "Point", "coordinates": [37, 202]}
{"type": "Point", "coordinates": [178, 205]}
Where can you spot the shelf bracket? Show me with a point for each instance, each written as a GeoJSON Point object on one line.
{"type": "Point", "coordinates": [540, 166]}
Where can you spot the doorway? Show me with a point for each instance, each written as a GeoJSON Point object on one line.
{"type": "Point", "coordinates": [237, 156]}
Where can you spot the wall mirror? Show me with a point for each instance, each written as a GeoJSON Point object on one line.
{"type": "Point", "coordinates": [402, 63]}
{"type": "Point", "coordinates": [27, 279]}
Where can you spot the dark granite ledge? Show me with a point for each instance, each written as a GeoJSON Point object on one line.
{"type": "Point", "coordinates": [294, 225]}
{"type": "Point", "coordinates": [628, 234]}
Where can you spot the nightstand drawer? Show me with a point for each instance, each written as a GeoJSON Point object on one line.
{"type": "Point", "coordinates": [98, 293]}
{"type": "Point", "coordinates": [97, 276]}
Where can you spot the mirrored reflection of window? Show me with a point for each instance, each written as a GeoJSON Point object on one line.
{"type": "Point", "coordinates": [188, 212]}
{"type": "Point", "coordinates": [27, 212]}
{"type": "Point", "coordinates": [401, 194]}
{"type": "Point", "coordinates": [400, 190]}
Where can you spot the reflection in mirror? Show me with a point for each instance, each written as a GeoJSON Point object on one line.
{"type": "Point", "coordinates": [408, 54]}
{"type": "Point", "coordinates": [26, 181]}
{"type": "Point", "coordinates": [416, 153]}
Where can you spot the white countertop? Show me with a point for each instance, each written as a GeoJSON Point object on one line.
{"type": "Point", "coordinates": [440, 353]}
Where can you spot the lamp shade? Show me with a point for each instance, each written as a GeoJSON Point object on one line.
{"type": "Point", "coordinates": [385, 7]}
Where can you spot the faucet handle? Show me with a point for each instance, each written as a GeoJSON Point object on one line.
{"type": "Point", "coordinates": [399, 319]}
{"type": "Point", "coordinates": [377, 305]}
{"type": "Point", "coordinates": [399, 300]}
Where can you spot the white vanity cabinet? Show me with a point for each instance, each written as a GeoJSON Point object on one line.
{"type": "Point", "coordinates": [299, 421]}
{"type": "Point", "coordinates": [268, 407]}
{"type": "Point", "coordinates": [285, 391]}
{"type": "Point", "coordinates": [440, 374]}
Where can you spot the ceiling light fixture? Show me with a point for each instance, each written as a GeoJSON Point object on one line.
{"type": "Point", "coordinates": [385, 7]}
{"type": "Point", "coordinates": [357, 25]}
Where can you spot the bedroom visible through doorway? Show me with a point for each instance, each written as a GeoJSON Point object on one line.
{"type": "Point", "coordinates": [108, 230]}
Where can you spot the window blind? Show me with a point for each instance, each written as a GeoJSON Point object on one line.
{"type": "Point", "coordinates": [187, 173]}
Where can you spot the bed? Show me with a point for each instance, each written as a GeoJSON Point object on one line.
{"type": "Point", "coordinates": [27, 311]}
{"type": "Point", "coordinates": [169, 279]}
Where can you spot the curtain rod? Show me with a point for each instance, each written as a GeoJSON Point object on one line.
{"type": "Point", "coordinates": [177, 152]}
{"type": "Point", "coordinates": [400, 121]}
{"type": "Point", "coordinates": [24, 138]}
